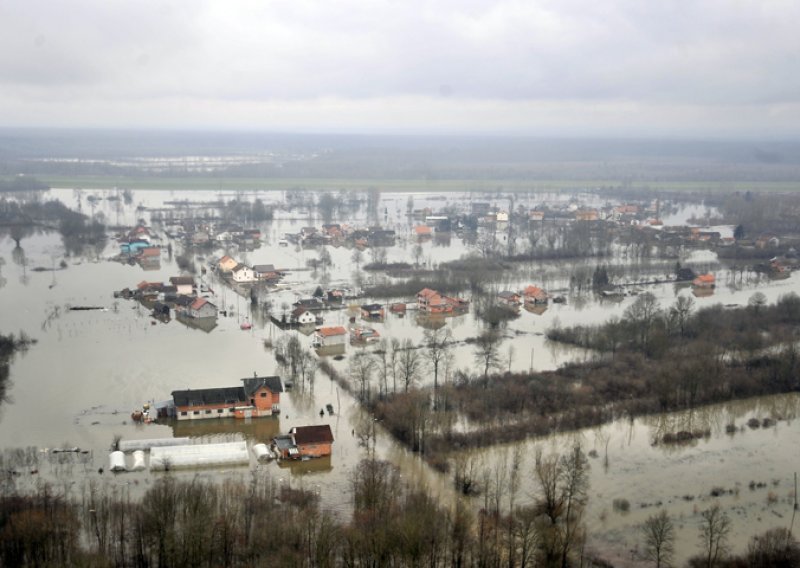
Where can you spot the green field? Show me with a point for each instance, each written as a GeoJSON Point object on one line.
{"type": "Point", "coordinates": [399, 185]}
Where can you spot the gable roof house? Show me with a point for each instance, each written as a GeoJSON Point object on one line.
{"type": "Point", "coordinates": [202, 308]}
{"type": "Point", "coordinates": [259, 396]}
{"type": "Point", "coordinates": [183, 284]}
{"type": "Point", "coordinates": [305, 441]}
{"type": "Point", "coordinates": [372, 312]}
{"type": "Point", "coordinates": [243, 273]}
{"type": "Point", "coordinates": [431, 302]}
{"type": "Point", "coordinates": [330, 336]}
{"type": "Point", "coordinates": [266, 272]}
{"type": "Point", "coordinates": [509, 298]}
{"type": "Point", "coordinates": [534, 295]}
{"type": "Point", "coordinates": [302, 316]}
{"type": "Point", "coordinates": [227, 264]}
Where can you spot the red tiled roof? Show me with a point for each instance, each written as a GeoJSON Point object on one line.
{"type": "Point", "coordinates": [312, 434]}
{"type": "Point", "coordinates": [331, 331]}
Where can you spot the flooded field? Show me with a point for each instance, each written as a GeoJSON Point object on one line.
{"type": "Point", "coordinates": [78, 385]}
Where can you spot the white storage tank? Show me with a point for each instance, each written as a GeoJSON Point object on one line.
{"type": "Point", "coordinates": [261, 452]}
{"type": "Point", "coordinates": [138, 461]}
{"type": "Point", "coordinates": [117, 461]}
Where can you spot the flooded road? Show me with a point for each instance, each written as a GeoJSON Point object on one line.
{"type": "Point", "coordinates": [78, 385]}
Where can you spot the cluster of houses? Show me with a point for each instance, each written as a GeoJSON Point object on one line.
{"type": "Point", "coordinates": [240, 273]}
{"type": "Point", "coordinates": [195, 232]}
{"type": "Point", "coordinates": [336, 234]}
{"type": "Point", "coordinates": [136, 247]}
{"type": "Point", "coordinates": [180, 295]}
{"type": "Point", "coordinates": [530, 297]}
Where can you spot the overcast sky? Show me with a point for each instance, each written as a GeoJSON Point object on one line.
{"type": "Point", "coordinates": [705, 68]}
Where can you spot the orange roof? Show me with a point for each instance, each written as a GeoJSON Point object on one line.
{"type": "Point", "coordinates": [427, 293]}
{"type": "Point", "coordinates": [707, 278]}
{"type": "Point", "coordinates": [330, 331]}
{"type": "Point", "coordinates": [422, 230]}
{"type": "Point", "coordinates": [533, 291]}
{"type": "Point", "coordinates": [150, 251]}
{"type": "Point", "coordinates": [199, 303]}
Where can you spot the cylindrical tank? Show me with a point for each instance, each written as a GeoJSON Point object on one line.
{"type": "Point", "coordinates": [261, 451]}
{"type": "Point", "coordinates": [117, 461]}
{"type": "Point", "coordinates": [138, 461]}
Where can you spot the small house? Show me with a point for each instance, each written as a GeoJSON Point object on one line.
{"type": "Point", "coordinates": [202, 308]}
{"type": "Point", "coordinates": [133, 246]}
{"type": "Point", "coordinates": [509, 298]}
{"type": "Point", "coordinates": [705, 281]}
{"type": "Point", "coordinates": [372, 312]}
{"type": "Point", "coordinates": [226, 264]}
{"type": "Point", "coordinates": [265, 272]}
{"type": "Point", "coordinates": [183, 284]}
{"type": "Point", "coordinates": [304, 442]}
{"type": "Point", "coordinates": [534, 295]}
{"type": "Point", "coordinates": [364, 335]}
{"type": "Point", "coordinates": [431, 302]}
{"type": "Point", "coordinates": [302, 316]}
{"type": "Point", "coordinates": [312, 304]}
{"type": "Point", "coordinates": [536, 215]}
{"type": "Point", "coordinates": [242, 273]}
{"type": "Point", "coordinates": [313, 441]}
{"type": "Point", "coordinates": [423, 232]}
{"type": "Point", "coordinates": [587, 215]}
{"type": "Point", "coordinates": [330, 336]}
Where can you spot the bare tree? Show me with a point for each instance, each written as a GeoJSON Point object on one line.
{"type": "Point", "coordinates": [715, 528]}
{"type": "Point", "coordinates": [642, 314]}
{"type": "Point", "coordinates": [409, 363]}
{"type": "Point", "coordinates": [680, 312]}
{"type": "Point", "coordinates": [659, 539]}
{"type": "Point", "coordinates": [361, 368]}
{"type": "Point", "coordinates": [487, 352]}
{"type": "Point", "coordinates": [437, 343]}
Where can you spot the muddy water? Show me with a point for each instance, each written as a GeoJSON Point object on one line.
{"type": "Point", "coordinates": [680, 478]}
{"type": "Point", "coordinates": [78, 385]}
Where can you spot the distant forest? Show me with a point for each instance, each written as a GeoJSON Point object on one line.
{"type": "Point", "coordinates": [76, 152]}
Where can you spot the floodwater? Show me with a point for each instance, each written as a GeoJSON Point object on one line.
{"type": "Point", "coordinates": [77, 386]}
{"type": "Point", "coordinates": [751, 470]}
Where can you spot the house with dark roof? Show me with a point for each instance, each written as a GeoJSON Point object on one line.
{"type": "Point", "coordinates": [305, 442]}
{"type": "Point", "coordinates": [183, 284]}
{"type": "Point", "coordinates": [372, 312]}
{"type": "Point", "coordinates": [258, 396]}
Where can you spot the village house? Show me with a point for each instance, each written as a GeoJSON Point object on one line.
{"type": "Point", "coordinates": [266, 272]}
{"type": "Point", "coordinates": [423, 232]}
{"type": "Point", "coordinates": [536, 215]}
{"type": "Point", "coordinates": [312, 304]}
{"type": "Point", "coordinates": [767, 241]}
{"type": "Point", "coordinates": [587, 215]}
{"type": "Point", "coordinates": [302, 316]}
{"type": "Point", "coordinates": [200, 237]}
{"type": "Point", "coordinates": [184, 285]}
{"type": "Point", "coordinates": [133, 246]}
{"type": "Point", "coordinates": [335, 296]}
{"type": "Point", "coordinates": [431, 302]}
{"type": "Point", "coordinates": [330, 336]}
{"type": "Point", "coordinates": [313, 441]}
{"type": "Point", "coordinates": [364, 335]}
{"type": "Point", "coordinates": [202, 308]}
{"type": "Point", "coordinates": [227, 264]}
{"type": "Point", "coordinates": [243, 273]}
{"type": "Point", "coordinates": [372, 312]}
{"type": "Point", "coordinates": [304, 442]}
{"type": "Point", "coordinates": [139, 232]}
{"type": "Point", "coordinates": [534, 295]}
{"type": "Point", "coordinates": [259, 396]}
{"type": "Point", "coordinates": [509, 298]}
{"type": "Point", "coordinates": [705, 281]}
